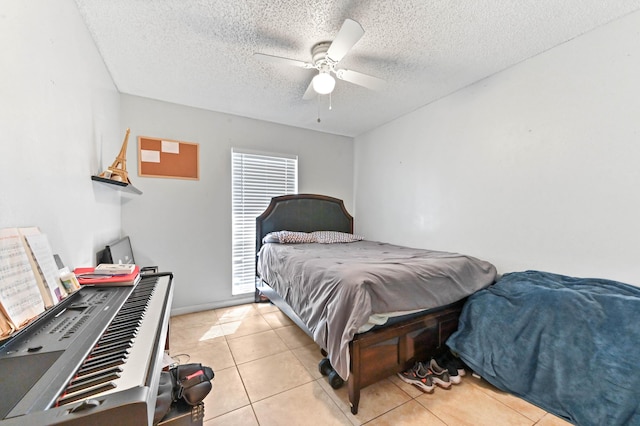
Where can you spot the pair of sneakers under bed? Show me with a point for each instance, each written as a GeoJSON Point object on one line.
{"type": "Point", "coordinates": [442, 370]}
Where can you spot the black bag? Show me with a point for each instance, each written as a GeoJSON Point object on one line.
{"type": "Point", "coordinates": [165, 396]}
{"type": "Point", "coordinates": [192, 382]}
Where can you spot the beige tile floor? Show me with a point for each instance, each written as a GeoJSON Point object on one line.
{"type": "Point", "coordinates": [266, 373]}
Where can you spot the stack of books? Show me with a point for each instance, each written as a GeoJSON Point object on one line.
{"type": "Point", "coordinates": [109, 274]}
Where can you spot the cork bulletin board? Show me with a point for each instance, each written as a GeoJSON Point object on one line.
{"type": "Point", "coordinates": [168, 158]}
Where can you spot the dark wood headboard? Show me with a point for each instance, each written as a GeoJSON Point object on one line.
{"type": "Point", "coordinates": [303, 213]}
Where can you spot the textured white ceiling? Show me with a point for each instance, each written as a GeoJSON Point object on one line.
{"type": "Point", "coordinates": [199, 52]}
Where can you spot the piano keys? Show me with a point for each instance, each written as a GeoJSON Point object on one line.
{"type": "Point", "coordinates": [95, 358]}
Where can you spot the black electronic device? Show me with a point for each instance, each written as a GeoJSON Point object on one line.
{"type": "Point", "coordinates": [119, 251]}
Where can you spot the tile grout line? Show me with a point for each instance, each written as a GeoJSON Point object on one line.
{"type": "Point", "coordinates": [313, 379]}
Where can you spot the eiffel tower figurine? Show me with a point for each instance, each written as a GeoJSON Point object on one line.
{"type": "Point", "coordinates": [118, 170]}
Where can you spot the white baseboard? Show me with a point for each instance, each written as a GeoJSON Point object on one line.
{"type": "Point", "coordinates": [249, 298]}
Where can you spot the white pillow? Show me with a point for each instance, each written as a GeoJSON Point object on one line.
{"type": "Point", "coordinates": [271, 237]}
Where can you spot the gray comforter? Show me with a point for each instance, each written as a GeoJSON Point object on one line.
{"type": "Point", "coordinates": [334, 288]}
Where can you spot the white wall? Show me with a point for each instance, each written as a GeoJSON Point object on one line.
{"type": "Point", "coordinates": [184, 226]}
{"type": "Point", "coordinates": [59, 113]}
{"type": "Point", "coordinates": [537, 167]}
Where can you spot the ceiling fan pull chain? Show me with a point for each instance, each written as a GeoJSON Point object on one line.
{"type": "Point", "coordinates": [318, 104]}
{"type": "Point", "coordinates": [329, 101]}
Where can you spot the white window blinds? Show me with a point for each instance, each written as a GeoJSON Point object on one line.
{"type": "Point", "coordinates": [255, 179]}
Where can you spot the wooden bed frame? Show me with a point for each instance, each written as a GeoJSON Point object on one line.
{"type": "Point", "coordinates": [376, 354]}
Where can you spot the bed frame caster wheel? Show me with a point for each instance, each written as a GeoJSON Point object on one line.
{"type": "Point", "coordinates": [335, 380]}
{"type": "Point", "coordinates": [325, 367]}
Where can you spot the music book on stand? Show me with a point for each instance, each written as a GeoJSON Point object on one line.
{"type": "Point", "coordinates": [89, 276]}
{"type": "Point", "coordinates": [20, 297]}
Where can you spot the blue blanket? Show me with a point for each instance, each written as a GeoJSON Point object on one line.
{"type": "Point", "coordinates": [569, 345]}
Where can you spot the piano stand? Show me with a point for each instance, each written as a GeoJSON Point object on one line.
{"type": "Point", "coordinates": [183, 414]}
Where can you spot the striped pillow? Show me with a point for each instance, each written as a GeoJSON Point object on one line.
{"type": "Point", "coordinates": [291, 237]}
{"type": "Point", "coordinates": [332, 237]}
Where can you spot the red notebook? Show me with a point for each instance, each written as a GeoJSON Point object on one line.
{"type": "Point", "coordinates": [87, 276]}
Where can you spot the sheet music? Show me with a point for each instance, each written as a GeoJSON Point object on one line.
{"type": "Point", "coordinates": [39, 245]}
{"type": "Point", "coordinates": [19, 293]}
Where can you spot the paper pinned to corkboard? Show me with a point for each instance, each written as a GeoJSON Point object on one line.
{"type": "Point", "coordinates": [168, 158]}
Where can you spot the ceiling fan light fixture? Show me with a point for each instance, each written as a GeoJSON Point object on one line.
{"type": "Point", "coordinates": [323, 83]}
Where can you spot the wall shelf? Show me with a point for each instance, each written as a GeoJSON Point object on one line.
{"type": "Point", "coordinates": [117, 185]}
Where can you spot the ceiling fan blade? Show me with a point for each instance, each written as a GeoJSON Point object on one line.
{"type": "Point", "coordinates": [310, 93]}
{"type": "Point", "coordinates": [347, 37]}
{"type": "Point", "coordinates": [364, 80]}
{"type": "Point", "coordinates": [280, 60]}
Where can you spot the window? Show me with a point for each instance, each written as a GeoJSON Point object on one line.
{"type": "Point", "coordinates": [255, 179]}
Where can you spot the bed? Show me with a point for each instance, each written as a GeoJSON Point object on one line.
{"type": "Point", "coordinates": [332, 294]}
{"type": "Point", "coordinates": [569, 345]}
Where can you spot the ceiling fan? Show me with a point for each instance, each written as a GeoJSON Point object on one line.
{"type": "Point", "coordinates": [325, 57]}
